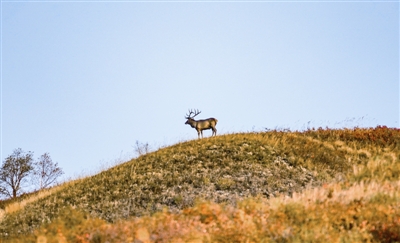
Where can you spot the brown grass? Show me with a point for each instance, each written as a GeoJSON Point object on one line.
{"type": "Point", "coordinates": [320, 185]}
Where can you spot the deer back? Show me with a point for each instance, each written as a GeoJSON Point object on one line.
{"type": "Point", "coordinates": [206, 123]}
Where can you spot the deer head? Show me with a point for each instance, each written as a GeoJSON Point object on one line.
{"type": "Point", "coordinates": [190, 117]}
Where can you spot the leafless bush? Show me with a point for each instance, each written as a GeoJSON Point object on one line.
{"type": "Point", "coordinates": [141, 148]}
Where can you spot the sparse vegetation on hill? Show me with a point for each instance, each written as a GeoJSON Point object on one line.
{"type": "Point", "coordinates": [323, 185]}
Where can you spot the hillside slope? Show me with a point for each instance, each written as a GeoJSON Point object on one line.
{"type": "Point", "coordinates": [226, 168]}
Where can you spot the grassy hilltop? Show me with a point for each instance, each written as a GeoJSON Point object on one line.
{"type": "Point", "coordinates": [322, 185]}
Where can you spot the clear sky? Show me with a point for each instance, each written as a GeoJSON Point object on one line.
{"type": "Point", "coordinates": [85, 80]}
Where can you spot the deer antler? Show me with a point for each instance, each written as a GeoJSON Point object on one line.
{"type": "Point", "coordinates": [196, 112]}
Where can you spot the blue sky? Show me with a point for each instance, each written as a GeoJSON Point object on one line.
{"type": "Point", "coordinates": [85, 80]}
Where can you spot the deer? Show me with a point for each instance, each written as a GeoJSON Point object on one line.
{"type": "Point", "coordinates": [201, 125]}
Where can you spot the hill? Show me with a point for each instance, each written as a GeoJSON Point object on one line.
{"type": "Point", "coordinates": [279, 174]}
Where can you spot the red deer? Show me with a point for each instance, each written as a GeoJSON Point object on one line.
{"type": "Point", "coordinates": [201, 125]}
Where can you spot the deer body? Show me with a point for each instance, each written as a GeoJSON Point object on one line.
{"type": "Point", "coordinates": [201, 125]}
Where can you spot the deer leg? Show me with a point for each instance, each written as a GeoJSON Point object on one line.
{"type": "Point", "coordinates": [198, 133]}
{"type": "Point", "coordinates": [214, 131]}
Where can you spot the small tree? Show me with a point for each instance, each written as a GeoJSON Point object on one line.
{"type": "Point", "coordinates": [45, 172]}
{"type": "Point", "coordinates": [14, 171]}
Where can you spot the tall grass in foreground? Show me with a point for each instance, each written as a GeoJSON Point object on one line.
{"type": "Point", "coordinates": [327, 214]}
{"type": "Point", "coordinates": [324, 185]}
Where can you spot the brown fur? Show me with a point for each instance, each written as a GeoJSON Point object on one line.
{"type": "Point", "coordinates": [201, 125]}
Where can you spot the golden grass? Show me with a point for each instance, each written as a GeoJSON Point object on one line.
{"type": "Point", "coordinates": [339, 193]}
{"type": "Point", "coordinates": [16, 206]}
{"type": "Point", "coordinates": [362, 212]}
{"type": "Point", "coordinates": [319, 185]}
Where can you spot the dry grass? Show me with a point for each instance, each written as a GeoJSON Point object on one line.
{"type": "Point", "coordinates": [319, 185]}
{"type": "Point", "coordinates": [358, 213]}
{"type": "Point", "coordinates": [340, 193]}
{"type": "Point", "coordinates": [14, 206]}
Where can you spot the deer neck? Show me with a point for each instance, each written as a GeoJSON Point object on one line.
{"type": "Point", "coordinates": [192, 123]}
